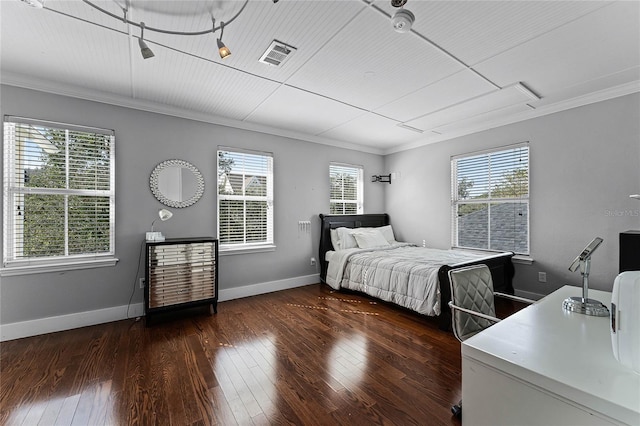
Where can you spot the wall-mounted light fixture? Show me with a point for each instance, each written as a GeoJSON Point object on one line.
{"type": "Point", "coordinates": [381, 178]}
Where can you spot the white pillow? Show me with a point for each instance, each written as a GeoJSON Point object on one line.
{"type": "Point", "coordinates": [335, 241]}
{"type": "Point", "coordinates": [387, 232]}
{"type": "Point", "coordinates": [370, 238]}
{"type": "Point", "coordinates": [342, 237]}
{"type": "Point", "coordinates": [345, 239]}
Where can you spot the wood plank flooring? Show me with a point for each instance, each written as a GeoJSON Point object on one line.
{"type": "Point", "coordinates": [306, 356]}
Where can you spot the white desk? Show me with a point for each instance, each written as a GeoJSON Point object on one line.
{"type": "Point", "coordinates": [546, 366]}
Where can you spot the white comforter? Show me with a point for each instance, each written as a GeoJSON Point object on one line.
{"type": "Point", "coordinates": [402, 274]}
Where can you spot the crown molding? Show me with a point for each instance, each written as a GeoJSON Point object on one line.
{"type": "Point", "coordinates": [540, 111]}
{"type": "Point", "coordinates": [12, 79]}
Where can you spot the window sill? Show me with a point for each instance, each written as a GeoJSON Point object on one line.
{"type": "Point", "coordinates": [57, 267]}
{"type": "Point", "coordinates": [522, 259]}
{"type": "Point", "coordinates": [227, 251]}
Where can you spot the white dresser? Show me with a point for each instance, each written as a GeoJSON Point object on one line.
{"type": "Point", "coordinates": [546, 366]}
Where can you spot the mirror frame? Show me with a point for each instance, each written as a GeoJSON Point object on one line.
{"type": "Point", "coordinates": [153, 183]}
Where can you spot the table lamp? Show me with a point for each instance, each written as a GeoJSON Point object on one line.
{"type": "Point", "coordinates": [163, 215]}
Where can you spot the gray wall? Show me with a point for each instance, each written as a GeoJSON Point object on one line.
{"type": "Point", "coordinates": [301, 191]}
{"type": "Point", "coordinates": [585, 162]}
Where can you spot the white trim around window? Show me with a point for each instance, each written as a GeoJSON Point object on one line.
{"type": "Point", "coordinates": [59, 197]}
{"type": "Point", "coordinates": [245, 202]}
{"type": "Point", "coordinates": [346, 187]}
{"type": "Point", "coordinates": [490, 199]}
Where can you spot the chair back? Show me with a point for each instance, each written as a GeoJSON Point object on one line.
{"type": "Point", "coordinates": [471, 288]}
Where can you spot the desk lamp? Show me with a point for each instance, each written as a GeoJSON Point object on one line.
{"type": "Point", "coordinates": [583, 304]}
{"type": "Point", "coordinates": [163, 215]}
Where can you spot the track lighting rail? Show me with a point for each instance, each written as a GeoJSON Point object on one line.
{"type": "Point", "coordinates": [160, 30]}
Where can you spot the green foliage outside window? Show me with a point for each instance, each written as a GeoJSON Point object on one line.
{"type": "Point", "coordinates": [59, 177]}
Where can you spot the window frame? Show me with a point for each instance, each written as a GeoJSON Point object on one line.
{"type": "Point", "coordinates": [12, 264]}
{"type": "Point", "coordinates": [359, 202]}
{"type": "Point", "coordinates": [248, 247]}
{"type": "Point", "coordinates": [489, 201]}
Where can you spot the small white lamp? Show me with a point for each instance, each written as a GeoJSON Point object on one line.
{"type": "Point", "coordinates": [163, 215]}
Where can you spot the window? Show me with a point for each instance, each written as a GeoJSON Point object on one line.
{"type": "Point", "coordinates": [346, 189]}
{"type": "Point", "coordinates": [490, 199]}
{"type": "Point", "coordinates": [245, 199]}
{"type": "Point", "coordinates": [59, 195]}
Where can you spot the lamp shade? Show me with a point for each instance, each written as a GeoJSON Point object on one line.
{"type": "Point", "coordinates": [223, 50]}
{"type": "Point", "coordinates": [165, 214]}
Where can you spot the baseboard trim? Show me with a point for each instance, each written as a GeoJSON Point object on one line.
{"type": "Point", "coordinates": [268, 287]}
{"type": "Point", "coordinates": [18, 330]}
{"type": "Point", "coordinates": [528, 294]}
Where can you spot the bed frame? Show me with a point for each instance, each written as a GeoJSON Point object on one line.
{"type": "Point", "coordinates": [502, 269]}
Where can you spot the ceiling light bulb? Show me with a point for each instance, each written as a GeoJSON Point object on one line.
{"type": "Point", "coordinates": [223, 50]}
{"type": "Point", "coordinates": [402, 21]}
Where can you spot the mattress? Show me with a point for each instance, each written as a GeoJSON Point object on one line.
{"type": "Point", "coordinates": [402, 273]}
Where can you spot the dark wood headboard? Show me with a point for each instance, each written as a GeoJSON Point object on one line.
{"type": "Point", "coordinates": [333, 221]}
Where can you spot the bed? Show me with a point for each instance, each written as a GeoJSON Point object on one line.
{"type": "Point", "coordinates": [413, 277]}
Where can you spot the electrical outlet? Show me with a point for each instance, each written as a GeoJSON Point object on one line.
{"type": "Point", "coordinates": [542, 277]}
{"type": "Point", "coordinates": [313, 261]}
{"type": "Point", "coordinates": [141, 282]}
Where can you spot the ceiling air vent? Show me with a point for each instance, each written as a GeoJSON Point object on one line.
{"type": "Point", "coordinates": [277, 53]}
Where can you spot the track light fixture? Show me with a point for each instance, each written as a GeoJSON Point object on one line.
{"type": "Point", "coordinates": [144, 49]}
{"type": "Point", "coordinates": [223, 50]}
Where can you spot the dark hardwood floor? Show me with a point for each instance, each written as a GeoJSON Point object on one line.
{"type": "Point", "coordinates": [306, 356]}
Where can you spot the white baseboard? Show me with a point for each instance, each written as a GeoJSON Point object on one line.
{"type": "Point", "coordinates": [18, 330]}
{"type": "Point", "coordinates": [268, 287]}
{"type": "Point", "coordinates": [528, 294]}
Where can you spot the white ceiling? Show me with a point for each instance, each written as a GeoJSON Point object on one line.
{"type": "Point", "coordinates": [353, 81]}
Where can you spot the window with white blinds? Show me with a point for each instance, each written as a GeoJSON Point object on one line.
{"type": "Point", "coordinates": [245, 199]}
{"type": "Point", "coordinates": [59, 193]}
{"type": "Point", "coordinates": [490, 200]}
{"type": "Point", "coordinates": [346, 188]}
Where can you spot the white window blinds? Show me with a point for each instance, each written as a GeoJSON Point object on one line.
{"type": "Point", "coordinates": [59, 192]}
{"type": "Point", "coordinates": [490, 200]}
{"type": "Point", "coordinates": [245, 199]}
{"type": "Point", "coordinates": [346, 189]}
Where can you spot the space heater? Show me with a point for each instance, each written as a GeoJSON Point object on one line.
{"type": "Point", "coordinates": [625, 319]}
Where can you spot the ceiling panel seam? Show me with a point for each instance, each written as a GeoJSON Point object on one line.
{"type": "Point", "coordinates": [542, 34]}
{"type": "Point", "coordinates": [441, 49]}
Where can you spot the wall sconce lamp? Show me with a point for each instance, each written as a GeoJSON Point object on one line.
{"type": "Point", "coordinates": [163, 215]}
{"type": "Point", "coordinates": [381, 178]}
